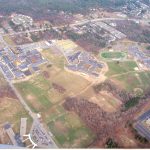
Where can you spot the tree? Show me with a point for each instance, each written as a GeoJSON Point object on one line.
{"type": "Point", "coordinates": [111, 143]}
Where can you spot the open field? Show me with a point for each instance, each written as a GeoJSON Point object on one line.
{"type": "Point", "coordinates": [42, 97]}
{"type": "Point", "coordinates": [133, 80]}
{"type": "Point", "coordinates": [66, 45]}
{"type": "Point", "coordinates": [57, 59]}
{"type": "Point", "coordinates": [44, 94]}
{"type": "Point", "coordinates": [116, 68]}
{"type": "Point", "coordinates": [69, 131]}
{"type": "Point", "coordinates": [104, 100]}
{"type": "Point", "coordinates": [40, 86]}
{"type": "Point", "coordinates": [82, 87]}
{"type": "Point", "coordinates": [113, 55]}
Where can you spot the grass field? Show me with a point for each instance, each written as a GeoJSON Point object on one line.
{"type": "Point", "coordinates": [134, 80]}
{"type": "Point", "coordinates": [69, 131]}
{"type": "Point", "coordinates": [66, 45]}
{"type": "Point", "coordinates": [121, 67]}
{"type": "Point", "coordinates": [67, 128]}
{"type": "Point", "coordinates": [113, 55]}
{"type": "Point", "coordinates": [55, 59]}
{"type": "Point", "coordinates": [32, 92]}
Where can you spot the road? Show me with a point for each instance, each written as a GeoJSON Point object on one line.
{"type": "Point", "coordinates": [22, 101]}
{"type": "Point", "coordinates": [75, 24]}
{"type": "Point", "coordinates": [105, 19]}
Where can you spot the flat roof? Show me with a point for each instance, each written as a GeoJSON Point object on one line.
{"type": "Point", "coordinates": [140, 127]}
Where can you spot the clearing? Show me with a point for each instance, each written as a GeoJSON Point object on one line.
{"type": "Point", "coordinates": [116, 68]}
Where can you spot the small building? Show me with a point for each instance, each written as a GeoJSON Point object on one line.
{"type": "Point", "coordinates": [23, 127]}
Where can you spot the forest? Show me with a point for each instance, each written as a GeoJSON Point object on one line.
{"type": "Point", "coordinates": [73, 6]}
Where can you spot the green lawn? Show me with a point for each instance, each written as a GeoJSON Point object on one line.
{"type": "Point", "coordinates": [113, 55]}
{"type": "Point", "coordinates": [121, 67]}
{"type": "Point", "coordinates": [131, 80]}
{"type": "Point", "coordinates": [68, 130]}
{"type": "Point", "coordinates": [27, 88]}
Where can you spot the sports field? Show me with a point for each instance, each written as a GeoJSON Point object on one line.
{"type": "Point", "coordinates": [116, 68]}
{"type": "Point", "coordinates": [113, 55]}
{"type": "Point", "coordinates": [133, 80]}
{"type": "Point", "coordinates": [68, 129]}
{"type": "Point", "coordinates": [66, 45]}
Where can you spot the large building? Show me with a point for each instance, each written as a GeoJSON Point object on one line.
{"type": "Point", "coordinates": [19, 19]}
{"type": "Point", "coordinates": [143, 125]}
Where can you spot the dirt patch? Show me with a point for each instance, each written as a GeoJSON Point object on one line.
{"type": "Point", "coordinates": [114, 89]}
{"type": "Point", "coordinates": [58, 88]}
{"type": "Point", "coordinates": [30, 97]}
{"type": "Point", "coordinates": [102, 102]}
{"type": "Point", "coordinates": [46, 74]}
{"type": "Point", "coordinates": [32, 100]}
{"type": "Point", "coordinates": [60, 127]}
{"type": "Point", "coordinates": [116, 103]}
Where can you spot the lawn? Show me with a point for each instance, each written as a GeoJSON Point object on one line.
{"type": "Point", "coordinates": [113, 55]}
{"type": "Point", "coordinates": [67, 128]}
{"type": "Point", "coordinates": [132, 80]}
{"type": "Point", "coordinates": [36, 97]}
{"type": "Point", "coordinates": [120, 67]}
{"type": "Point", "coordinates": [57, 60]}
{"type": "Point", "coordinates": [69, 131]}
